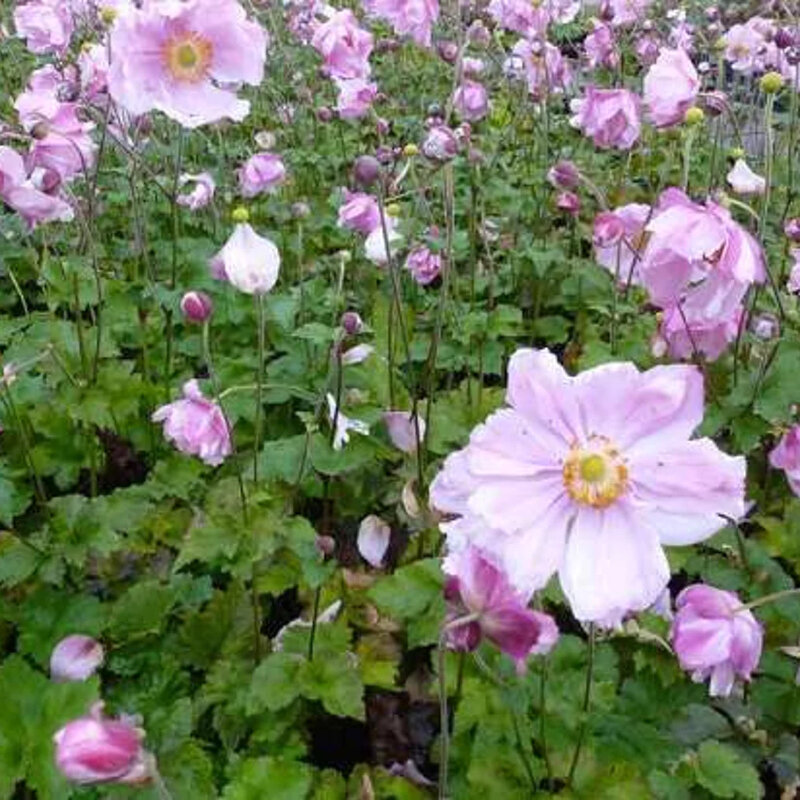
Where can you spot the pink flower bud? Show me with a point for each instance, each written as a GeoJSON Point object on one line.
{"type": "Point", "coordinates": [95, 749]}
{"type": "Point", "coordinates": [196, 306]}
{"type": "Point", "coordinates": [569, 203]}
{"type": "Point", "coordinates": [784, 38]}
{"type": "Point", "coordinates": [440, 144]}
{"type": "Point", "coordinates": [563, 175]}
{"type": "Point", "coordinates": [75, 658]}
{"type": "Point", "coordinates": [324, 114]}
{"type": "Point", "coordinates": [448, 51]}
{"type": "Point", "coordinates": [714, 637]}
{"type": "Point", "coordinates": [366, 170]}
{"type": "Point", "coordinates": [792, 229]}
{"type": "Point", "coordinates": [352, 323]}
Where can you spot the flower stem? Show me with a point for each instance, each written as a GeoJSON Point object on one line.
{"type": "Point", "coordinates": [444, 719]}
{"type": "Point", "coordinates": [587, 695]}
{"type": "Point", "coordinates": [242, 493]}
{"type": "Point", "coordinates": [259, 383]}
{"type": "Point", "coordinates": [768, 598]}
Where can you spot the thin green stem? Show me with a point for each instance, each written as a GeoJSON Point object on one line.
{"type": "Point", "coordinates": [259, 299]}
{"type": "Point", "coordinates": [768, 598]}
{"type": "Point", "coordinates": [587, 696]}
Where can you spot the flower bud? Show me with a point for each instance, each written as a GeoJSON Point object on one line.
{"type": "Point", "coordinates": [384, 154]}
{"type": "Point", "coordinates": [448, 51]}
{"type": "Point", "coordinates": [300, 210]}
{"type": "Point", "coordinates": [569, 203]}
{"type": "Point", "coordinates": [75, 658]}
{"type": "Point", "coordinates": [393, 210]}
{"type": "Point", "coordinates": [792, 229]}
{"type": "Point", "coordinates": [563, 175]}
{"type": "Point", "coordinates": [266, 140]}
{"type": "Point", "coordinates": [95, 749]}
{"type": "Point", "coordinates": [196, 306]}
{"type": "Point", "coordinates": [326, 545]}
{"type": "Point", "coordinates": [366, 170]}
{"type": "Point", "coordinates": [440, 144]}
{"type": "Point", "coordinates": [352, 323]}
{"type": "Point", "coordinates": [478, 34]}
{"type": "Point", "coordinates": [771, 83]}
{"type": "Point", "coordinates": [736, 152]}
{"type": "Point", "coordinates": [240, 214]}
{"type": "Point", "coordinates": [694, 116]}
{"type": "Point", "coordinates": [766, 327]}
{"type": "Point", "coordinates": [410, 150]}
{"type": "Point", "coordinates": [324, 114]}
{"type": "Point", "coordinates": [715, 103]}
{"type": "Point", "coordinates": [108, 14]}
{"type": "Point", "coordinates": [792, 56]}
{"type": "Point", "coordinates": [40, 130]}
{"type": "Point", "coordinates": [784, 38]}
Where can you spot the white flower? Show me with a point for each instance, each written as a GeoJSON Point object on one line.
{"type": "Point", "coordinates": [373, 540]}
{"type": "Point", "coordinates": [249, 262]}
{"type": "Point", "coordinates": [343, 424]}
{"type": "Point", "coordinates": [375, 245]}
{"type": "Point", "coordinates": [357, 354]}
{"type": "Point", "coordinates": [744, 181]}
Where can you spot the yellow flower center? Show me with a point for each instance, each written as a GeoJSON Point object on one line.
{"type": "Point", "coordinates": [595, 474]}
{"type": "Point", "coordinates": [188, 57]}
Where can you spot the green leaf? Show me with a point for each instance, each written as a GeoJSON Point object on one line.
{"type": "Point", "coordinates": [336, 682]}
{"type": "Point", "coordinates": [724, 773]}
{"type": "Point", "coordinates": [14, 499]}
{"type": "Point", "coordinates": [142, 609]}
{"type": "Point", "coordinates": [268, 777]}
{"type": "Point", "coordinates": [275, 683]}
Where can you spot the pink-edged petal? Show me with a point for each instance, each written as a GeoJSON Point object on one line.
{"type": "Point", "coordinates": [198, 104]}
{"type": "Point", "coordinates": [748, 639]}
{"type": "Point", "coordinates": [540, 390]}
{"type": "Point", "coordinates": [613, 564]}
{"type": "Point", "coordinates": [690, 488]}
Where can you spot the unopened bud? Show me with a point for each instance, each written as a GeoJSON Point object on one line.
{"type": "Point", "coordinates": [771, 83]}
{"type": "Point", "coordinates": [196, 306]}
{"type": "Point", "coordinates": [352, 323]}
{"type": "Point", "coordinates": [366, 170]}
{"type": "Point", "coordinates": [240, 214]}
{"type": "Point", "coordinates": [694, 116]}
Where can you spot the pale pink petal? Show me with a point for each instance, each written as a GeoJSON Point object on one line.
{"type": "Point", "coordinates": [613, 564]}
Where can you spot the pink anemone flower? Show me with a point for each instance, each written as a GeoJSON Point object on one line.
{"type": "Point", "coordinates": [589, 476]}
{"type": "Point", "coordinates": [182, 58]}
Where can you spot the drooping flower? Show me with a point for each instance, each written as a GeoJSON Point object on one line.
{"type": "Point", "coordinates": [589, 476]}
{"type": "Point", "coordinates": [202, 193]}
{"type": "Point", "coordinates": [619, 240]}
{"type": "Point", "coordinates": [519, 17]}
{"type": "Point", "coordinates": [46, 25]}
{"type": "Point", "coordinates": [262, 172]}
{"type": "Point", "coordinates": [75, 658]}
{"type": "Point", "coordinates": [440, 144]}
{"type": "Point", "coordinates": [18, 191]}
{"type": "Point", "coordinates": [743, 180]}
{"type": "Point", "coordinates": [601, 47]}
{"type": "Point", "coordinates": [359, 212]}
{"type": "Point", "coordinates": [373, 539]}
{"type": "Point", "coordinates": [375, 244]}
{"type": "Point", "coordinates": [402, 427]}
{"type": "Point", "coordinates": [792, 229]}
{"type": "Point", "coordinates": [543, 66]}
{"type": "Point", "coordinates": [344, 46]}
{"type": "Point", "coordinates": [95, 749]}
{"type": "Point", "coordinates": [196, 425]}
{"type": "Point", "coordinates": [471, 101]}
{"type": "Point", "coordinates": [569, 203]}
{"type": "Point", "coordinates": [698, 256]}
{"type": "Point", "coordinates": [413, 18]}
{"type": "Point", "coordinates": [611, 117]}
{"type": "Point", "coordinates": [61, 140]}
{"type": "Point", "coordinates": [786, 456]}
{"type": "Point", "coordinates": [248, 261]}
{"type": "Point", "coordinates": [355, 97]}
{"type": "Point", "coordinates": [715, 637]}
{"type": "Point", "coordinates": [177, 57]}
{"type": "Point", "coordinates": [357, 354]}
{"type": "Point", "coordinates": [477, 588]}
{"type": "Point", "coordinates": [342, 424]}
{"type": "Point", "coordinates": [424, 265]}
{"type": "Point", "coordinates": [627, 12]}
{"type": "Point", "coordinates": [685, 336]}
{"type": "Point", "coordinates": [671, 86]}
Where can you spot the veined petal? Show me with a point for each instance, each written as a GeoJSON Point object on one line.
{"type": "Point", "coordinates": [688, 489]}
{"type": "Point", "coordinates": [613, 564]}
